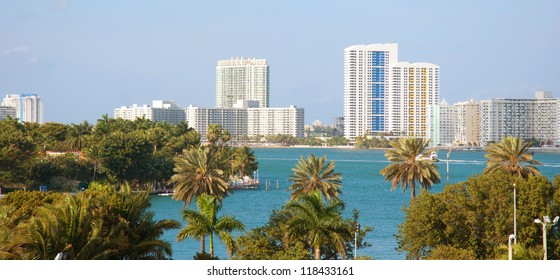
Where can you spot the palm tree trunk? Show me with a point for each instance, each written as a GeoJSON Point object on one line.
{"type": "Point", "coordinates": [211, 244]}
{"type": "Point", "coordinates": [94, 171]}
{"type": "Point", "coordinates": [317, 252]}
{"type": "Point", "coordinates": [202, 248]}
{"type": "Point", "coordinates": [412, 190]}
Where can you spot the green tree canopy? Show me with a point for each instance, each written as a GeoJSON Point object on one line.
{"type": "Point", "coordinates": [16, 153]}
{"type": "Point", "coordinates": [99, 223]}
{"type": "Point", "coordinates": [272, 241]}
{"type": "Point", "coordinates": [475, 217]}
{"type": "Point", "coordinates": [125, 157]}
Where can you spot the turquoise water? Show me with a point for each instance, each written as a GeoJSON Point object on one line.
{"type": "Point", "coordinates": [363, 189]}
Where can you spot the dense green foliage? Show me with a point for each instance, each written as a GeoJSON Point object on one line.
{"type": "Point", "coordinates": [337, 141]}
{"type": "Point", "coordinates": [273, 241]}
{"type": "Point", "coordinates": [371, 142]}
{"type": "Point", "coordinates": [99, 223]}
{"type": "Point", "coordinates": [472, 219]}
{"type": "Point", "coordinates": [16, 153]}
{"type": "Point", "coordinates": [118, 151]}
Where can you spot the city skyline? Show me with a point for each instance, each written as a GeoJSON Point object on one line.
{"type": "Point", "coordinates": [84, 67]}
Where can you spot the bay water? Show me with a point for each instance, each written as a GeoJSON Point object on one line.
{"type": "Point", "coordinates": [363, 189]}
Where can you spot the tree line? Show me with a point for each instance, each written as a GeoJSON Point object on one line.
{"type": "Point", "coordinates": [468, 220]}
{"type": "Point", "coordinates": [474, 219]}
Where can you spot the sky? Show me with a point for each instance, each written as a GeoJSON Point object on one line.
{"type": "Point", "coordinates": [85, 58]}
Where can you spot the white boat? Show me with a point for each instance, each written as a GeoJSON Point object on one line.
{"type": "Point", "coordinates": [433, 156]}
{"type": "Point", "coordinates": [244, 183]}
{"type": "Point", "coordinates": [167, 193]}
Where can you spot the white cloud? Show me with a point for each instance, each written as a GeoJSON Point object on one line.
{"type": "Point", "coordinates": [60, 5]}
{"type": "Point", "coordinates": [31, 60]}
{"type": "Point", "coordinates": [16, 50]}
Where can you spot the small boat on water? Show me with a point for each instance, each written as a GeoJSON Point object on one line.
{"type": "Point", "coordinates": [243, 184]}
{"type": "Point", "coordinates": [432, 157]}
{"type": "Point", "coordinates": [166, 193]}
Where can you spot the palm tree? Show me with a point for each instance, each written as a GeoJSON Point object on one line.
{"type": "Point", "coordinates": [214, 133]}
{"type": "Point", "coordinates": [205, 222]}
{"type": "Point", "coordinates": [181, 128]}
{"type": "Point", "coordinates": [142, 231]}
{"type": "Point", "coordinates": [94, 155]}
{"type": "Point", "coordinates": [314, 174]}
{"type": "Point", "coordinates": [225, 137]}
{"type": "Point", "coordinates": [197, 172]}
{"type": "Point", "coordinates": [11, 235]}
{"type": "Point", "coordinates": [78, 133]}
{"type": "Point", "coordinates": [244, 161]}
{"type": "Point", "coordinates": [103, 125]}
{"type": "Point", "coordinates": [522, 252]}
{"type": "Point", "coordinates": [511, 155]}
{"type": "Point", "coordinates": [71, 228]}
{"type": "Point", "coordinates": [158, 136]}
{"type": "Point", "coordinates": [407, 169]}
{"type": "Point", "coordinates": [318, 223]}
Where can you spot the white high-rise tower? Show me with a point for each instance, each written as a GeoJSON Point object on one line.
{"type": "Point", "coordinates": [29, 107]}
{"type": "Point", "coordinates": [366, 88]}
{"type": "Point", "coordinates": [414, 88]}
{"type": "Point", "coordinates": [242, 79]}
{"type": "Point", "coordinates": [383, 95]}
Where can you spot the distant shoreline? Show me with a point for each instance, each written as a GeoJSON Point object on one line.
{"type": "Point", "coordinates": [471, 149]}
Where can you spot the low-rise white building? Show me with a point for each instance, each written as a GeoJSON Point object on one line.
{"type": "Point", "coordinates": [160, 111]}
{"type": "Point", "coordinates": [530, 119]}
{"type": "Point", "coordinates": [247, 119]}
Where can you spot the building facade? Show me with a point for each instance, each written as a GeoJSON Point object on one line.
{"type": "Point", "coordinates": [28, 107]}
{"type": "Point", "coordinates": [414, 87]}
{"type": "Point", "coordinates": [530, 119]}
{"type": "Point", "coordinates": [242, 79]}
{"type": "Point", "coordinates": [248, 120]}
{"type": "Point", "coordinates": [160, 111]}
{"type": "Point", "coordinates": [7, 111]}
{"type": "Point", "coordinates": [468, 123]}
{"type": "Point", "coordinates": [366, 87]}
{"type": "Point", "coordinates": [383, 95]}
{"type": "Point", "coordinates": [273, 121]}
{"type": "Point", "coordinates": [442, 124]}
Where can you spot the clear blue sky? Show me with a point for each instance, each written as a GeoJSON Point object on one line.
{"type": "Point", "coordinates": [84, 58]}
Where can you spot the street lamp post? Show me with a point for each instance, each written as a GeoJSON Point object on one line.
{"type": "Point", "coordinates": [546, 222]}
{"type": "Point", "coordinates": [447, 173]}
{"type": "Point", "coordinates": [510, 251]}
{"type": "Point", "coordinates": [514, 215]}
